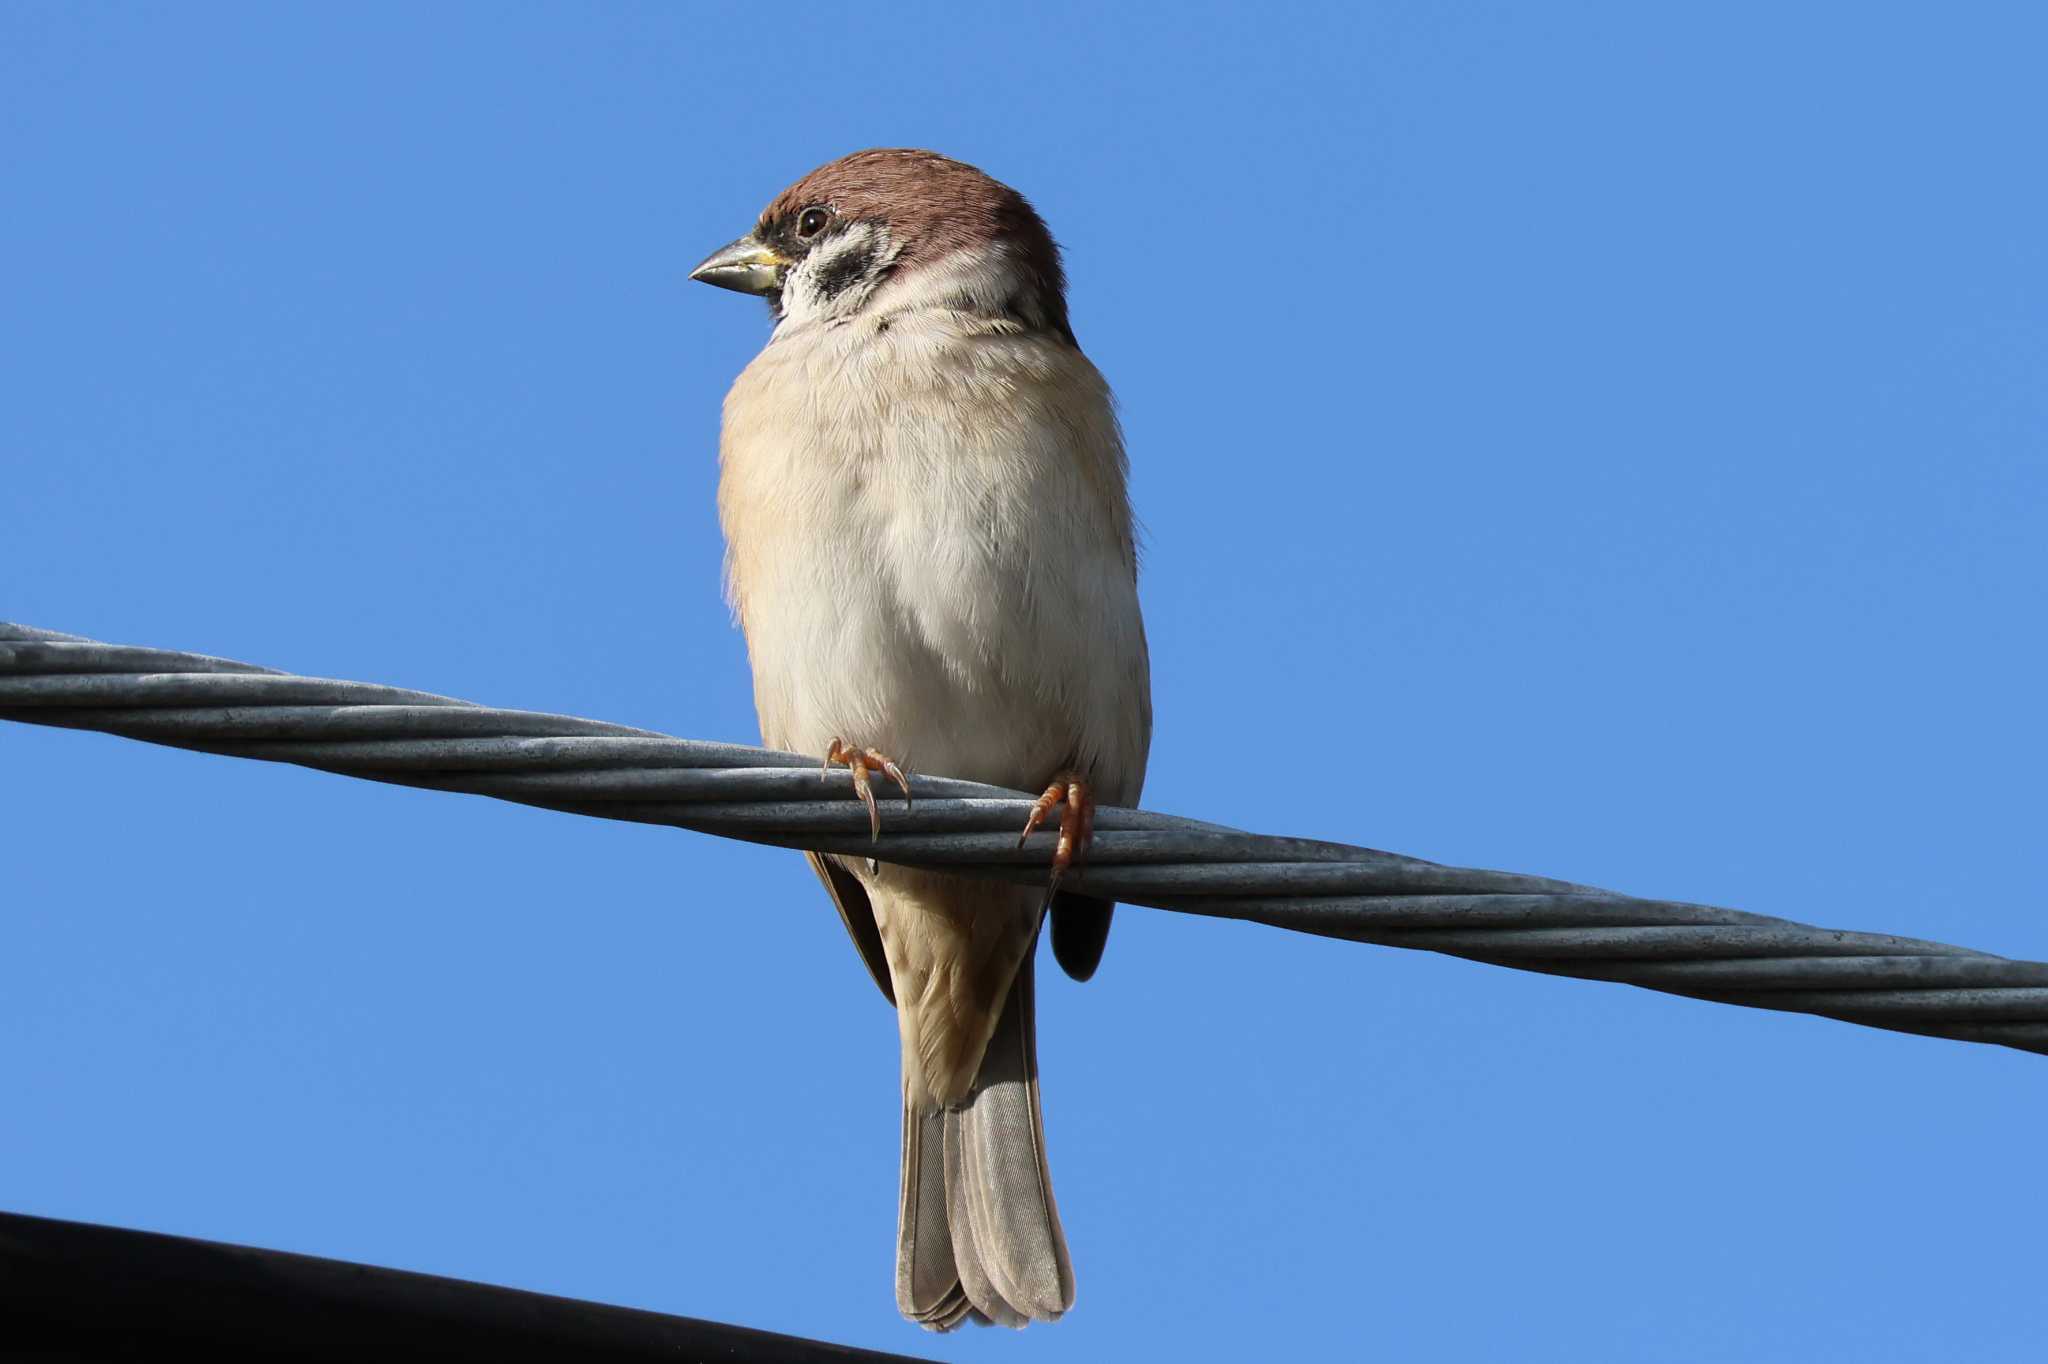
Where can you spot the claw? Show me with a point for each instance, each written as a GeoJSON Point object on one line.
{"type": "Point", "coordinates": [860, 762]}
{"type": "Point", "coordinates": [1077, 822]}
{"type": "Point", "coordinates": [1040, 808]}
{"type": "Point", "coordinates": [896, 774]}
{"type": "Point", "coordinates": [865, 789]}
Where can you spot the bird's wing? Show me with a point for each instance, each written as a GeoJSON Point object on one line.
{"type": "Point", "coordinates": [1080, 930]}
{"type": "Point", "coordinates": [851, 899]}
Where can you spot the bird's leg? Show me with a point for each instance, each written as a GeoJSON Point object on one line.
{"type": "Point", "coordinates": [863, 761]}
{"type": "Point", "coordinates": [1077, 821]}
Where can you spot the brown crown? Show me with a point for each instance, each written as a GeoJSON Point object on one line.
{"type": "Point", "coordinates": [932, 206]}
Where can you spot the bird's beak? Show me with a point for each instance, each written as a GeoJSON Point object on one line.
{"type": "Point", "coordinates": [748, 266]}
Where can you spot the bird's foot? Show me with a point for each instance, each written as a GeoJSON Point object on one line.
{"type": "Point", "coordinates": [863, 761]}
{"type": "Point", "coordinates": [1077, 821]}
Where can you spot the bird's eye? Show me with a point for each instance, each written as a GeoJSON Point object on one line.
{"type": "Point", "coordinates": [812, 221]}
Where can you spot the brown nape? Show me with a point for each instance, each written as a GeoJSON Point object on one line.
{"type": "Point", "coordinates": [932, 206]}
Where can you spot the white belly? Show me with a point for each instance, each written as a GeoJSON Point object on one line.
{"type": "Point", "coordinates": [937, 565]}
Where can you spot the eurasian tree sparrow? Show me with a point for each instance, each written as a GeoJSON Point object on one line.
{"type": "Point", "coordinates": [930, 549]}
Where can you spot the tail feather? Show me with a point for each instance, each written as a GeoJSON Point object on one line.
{"type": "Point", "coordinates": [928, 1287]}
{"type": "Point", "coordinates": [975, 1278]}
{"type": "Point", "coordinates": [979, 1227]}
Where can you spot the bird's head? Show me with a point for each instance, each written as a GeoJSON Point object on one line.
{"type": "Point", "coordinates": [897, 228]}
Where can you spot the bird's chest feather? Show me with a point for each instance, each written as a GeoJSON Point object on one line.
{"type": "Point", "coordinates": [928, 544]}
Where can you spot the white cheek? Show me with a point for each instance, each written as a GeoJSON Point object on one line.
{"type": "Point", "coordinates": [803, 301]}
{"type": "Point", "coordinates": [977, 281]}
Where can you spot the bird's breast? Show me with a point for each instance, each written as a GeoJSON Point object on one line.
{"type": "Point", "coordinates": [930, 550]}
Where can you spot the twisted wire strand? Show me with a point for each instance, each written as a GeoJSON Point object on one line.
{"type": "Point", "coordinates": [589, 767]}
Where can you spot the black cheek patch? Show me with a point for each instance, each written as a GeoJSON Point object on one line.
{"type": "Point", "coordinates": [842, 272]}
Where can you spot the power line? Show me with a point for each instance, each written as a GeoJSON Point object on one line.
{"type": "Point", "coordinates": [612, 771]}
{"type": "Point", "coordinates": [74, 1291]}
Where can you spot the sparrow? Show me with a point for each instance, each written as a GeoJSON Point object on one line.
{"type": "Point", "coordinates": [930, 550]}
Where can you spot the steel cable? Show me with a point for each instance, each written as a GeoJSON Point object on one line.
{"type": "Point", "coordinates": [588, 767]}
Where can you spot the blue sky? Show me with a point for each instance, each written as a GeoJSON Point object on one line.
{"type": "Point", "coordinates": [1600, 440]}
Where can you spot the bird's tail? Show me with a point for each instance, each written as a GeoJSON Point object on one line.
{"type": "Point", "coordinates": [979, 1234]}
